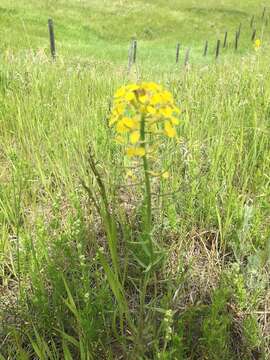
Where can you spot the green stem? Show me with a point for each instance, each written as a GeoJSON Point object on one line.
{"type": "Point", "coordinates": [148, 197]}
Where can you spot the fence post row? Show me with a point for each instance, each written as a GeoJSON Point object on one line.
{"type": "Point", "coordinates": [52, 38]}
{"type": "Point", "coordinates": [132, 54]}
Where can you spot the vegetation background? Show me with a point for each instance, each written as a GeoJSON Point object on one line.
{"type": "Point", "coordinates": [61, 296]}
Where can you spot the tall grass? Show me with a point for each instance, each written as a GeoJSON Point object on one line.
{"type": "Point", "coordinates": [71, 277]}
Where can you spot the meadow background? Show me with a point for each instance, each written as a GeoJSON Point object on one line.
{"type": "Point", "coordinates": [61, 296]}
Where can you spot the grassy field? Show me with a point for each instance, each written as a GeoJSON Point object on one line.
{"type": "Point", "coordinates": [85, 272]}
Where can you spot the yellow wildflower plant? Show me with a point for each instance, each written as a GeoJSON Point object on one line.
{"type": "Point", "coordinates": [142, 110]}
{"type": "Point", "coordinates": [140, 113]}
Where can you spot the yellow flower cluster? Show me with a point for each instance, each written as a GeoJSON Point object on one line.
{"type": "Point", "coordinates": [140, 110]}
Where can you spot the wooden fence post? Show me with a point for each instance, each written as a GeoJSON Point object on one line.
{"type": "Point", "coordinates": [52, 38]}
{"type": "Point", "coordinates": [225, 39]}
{"type": "Point", "coordinates": [205, 48]}
{"type": "Point", "coordinates": [177, 52]}
{"type": "Point", "coordinates": [253, 35]}
{"type": "Point", "coordinates": [217, 49]}
{"type": "Point", "coordinates": [236, 41]}
{"type": "Point", "coordinates": [134, 51]}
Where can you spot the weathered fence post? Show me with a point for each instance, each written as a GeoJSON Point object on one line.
{"type": "Point", "coordinates": [177, 52]}
{"type": "Point", "coordinates": [217, 49]}
{"type": "Point", "coordinates": [187, 57]}
{"type": "Point", "coordinates": [134, 51]}
{"type": "Point", "coordinates": [236, 41]}
{"type": "Point", "coordinates": [225, 39]}
{"type": "Point", "coordinates": [205, 48]}
{"type": "Point", "coordinates": [253, 35]}
{"type": "Point", "coordinates": [52, 38]}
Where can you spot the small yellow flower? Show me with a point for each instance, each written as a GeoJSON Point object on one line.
{"type": "Point", "coordinates": [167, 111]}
{"type": "Point", "coordinates": [120, 92]}
{"type": "Point", "coordinates": [130, 123]}
{"type": "Point", "coordinates": [151, 110]}
{"type": "Point", "coordinates": [121, 127]}
{"type": "Point", "coordinates": [134, 137]}
{"type": "Point", "coordinates": [156, 99]}
{"type": "Point", "coordinates": [167, 96]}
{"type": "Point", "coordinates": [118, 109]}
{"type": "Point", "coordinates": [257, 44]}
{"type": "Point", "coordinates": [136, 151]}
{"type": "Point", "coordinates": [130, 96]}
{"type": "Point", "coordinates": [169, 129]}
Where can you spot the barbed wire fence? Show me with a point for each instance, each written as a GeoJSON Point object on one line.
{"type": "Point", "coordinates": [133, 47]}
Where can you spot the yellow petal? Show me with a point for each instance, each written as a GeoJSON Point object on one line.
{"type": "Point", "coordinates": [121, 127]}
{"type": "Point", "coordinates": [134, 137]}
{"type": "Point", "coordinates": [118, 109]}
{"type": "Point", "coordinates": [135, 152]}
{"type": "Point", "coordinates": [151, 86]}
{"type": "Point", "coordinates": [169, 129]}
{"type": "Point", "coordinates": [130, 96]}
{"type": "Point", "coordinates": [130, 123]}
{"type": "Point", "coordinates": [151, 110]}
{"type": "Point", "coordinates": [120, 92]}
{"type": "Point", "coordinates": [156, 99]}
{"type": "Point", "coordinates": [167, 111]}
{"type": "Point", "coordinates": [167, 96]}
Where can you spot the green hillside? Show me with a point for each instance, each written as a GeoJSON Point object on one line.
{"type": "Point", "coordinates": [101, 30]}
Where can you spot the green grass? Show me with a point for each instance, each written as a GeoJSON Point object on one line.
{"type": "Point", "coordinates": [74, 275]}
